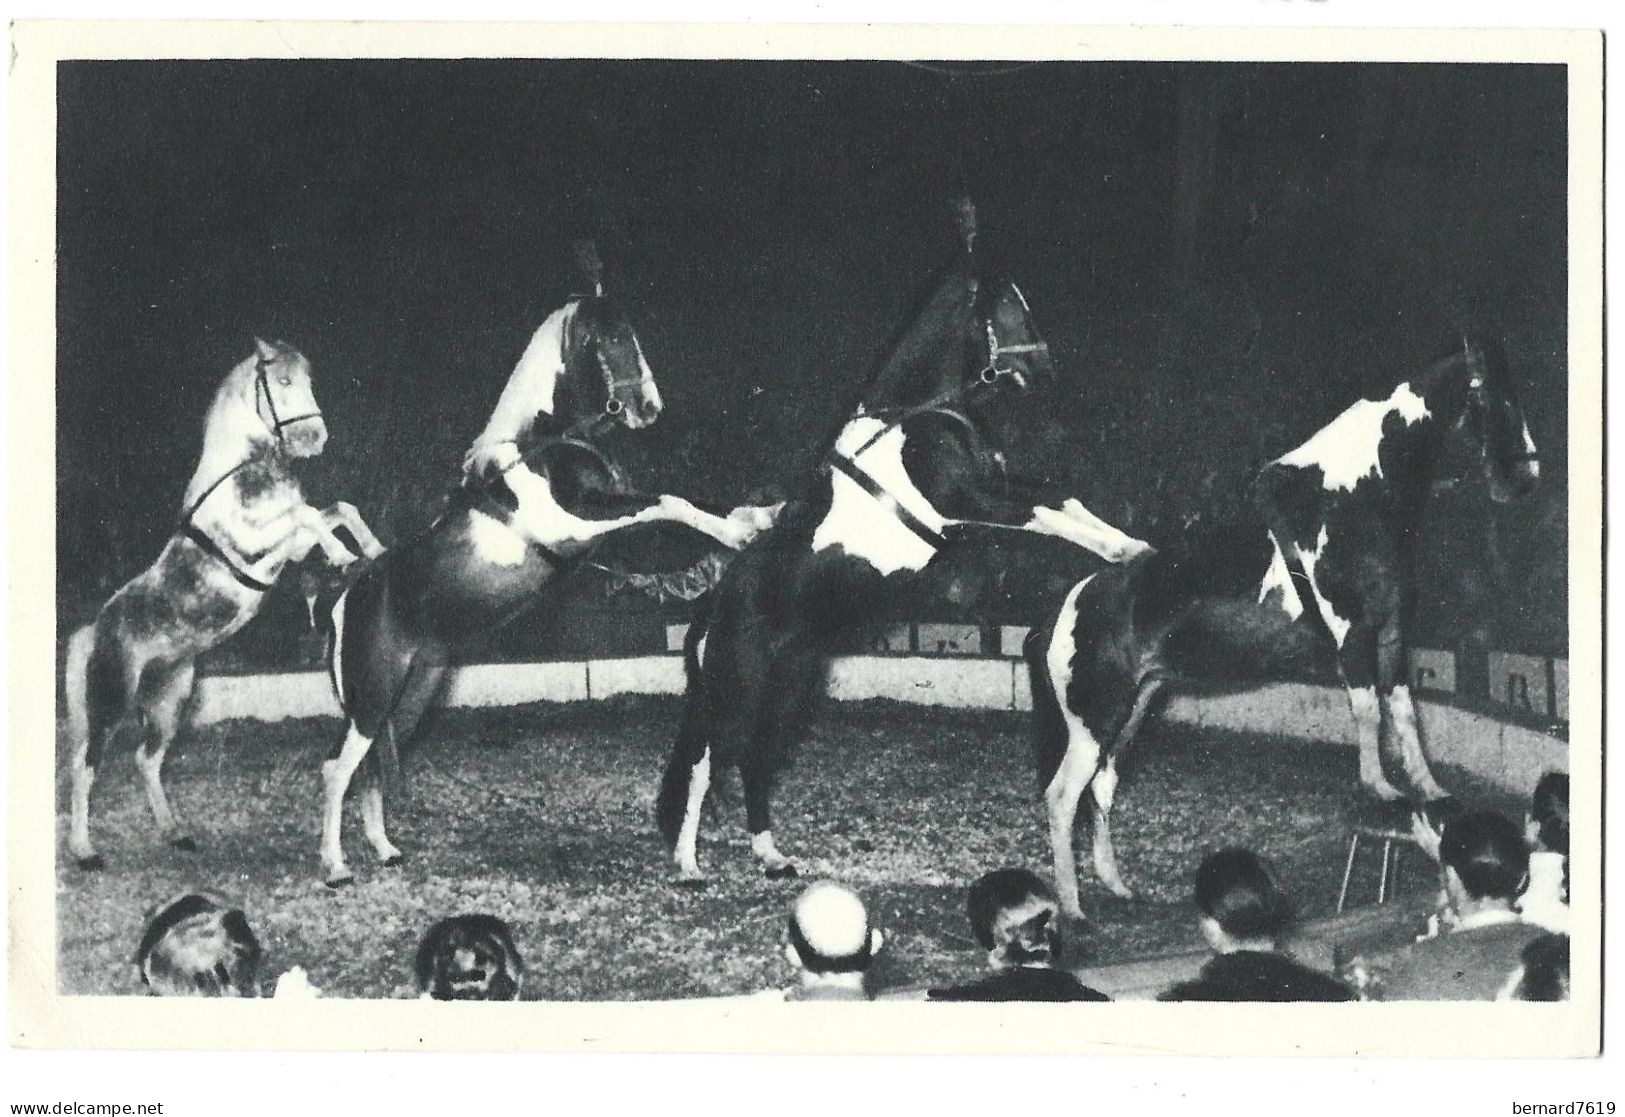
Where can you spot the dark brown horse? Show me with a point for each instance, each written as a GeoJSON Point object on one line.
{"type": "Point", "coordinates": [911, 473]}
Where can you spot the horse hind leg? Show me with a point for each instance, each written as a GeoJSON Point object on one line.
{"type": "Point", "coordinates": [418, 693]}
{"type": "Point", "coordinates": [1103, 788]}
{"type": "Point", "coordinates": [87, 739]}
{"type": "Point", "coordinates": [163, 709]}
{"type": "Point", "coordinates": [337, 772]}
{"type": "Point", "coordinates": [795, 682]}
{"type": "Point", "coordinates": [372, 817]}
{"type": "Point", "coordinates": [687, 779]}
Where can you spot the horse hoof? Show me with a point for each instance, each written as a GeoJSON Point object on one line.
{"type": "Point", "coordinates": [394, 861]}
{"type": "Point", "coordinates": [91, 864]}
{"type": "Point", "coordinates": [185, 843]}
{"type": "Point", "coordinates": [336, 883]}
{"type": "Point", "coordinates": [782, 872]}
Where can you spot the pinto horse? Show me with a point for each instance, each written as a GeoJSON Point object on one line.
{"type": "Point", "coordinates": [1317, 583]}
{"type": "Point", "coordinates": [244, 520]}
{"type": "Point", "coordinates": [516, 522]}
{"type": "Point", "coordinates": [911, 472]}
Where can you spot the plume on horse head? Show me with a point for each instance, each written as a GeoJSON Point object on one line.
{"type": "Point", "coordinates": [591, 265]}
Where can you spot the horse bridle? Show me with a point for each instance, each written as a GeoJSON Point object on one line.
{"type": "Point", "coordinates": [1478, 400]}
{"type": "Point", "coordinates": [986, 380]}
{"type": "Point", "coordinates": [612, 384]}
{"type": "Point", "coordinates": [187, 525]}
{"type": "Point", "coordinates": [262, 383]}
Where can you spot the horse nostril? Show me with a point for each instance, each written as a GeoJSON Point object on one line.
{"type": "Point", "coordinates": [650, 410]}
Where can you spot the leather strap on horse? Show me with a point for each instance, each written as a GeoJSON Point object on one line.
{"type": "Point", "coordinates": [209, 546]}
{"type": "Point", "coordinates": [887, 501]}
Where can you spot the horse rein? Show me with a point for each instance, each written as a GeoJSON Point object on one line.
{"type": "Point", "coordinates": [986, 380]}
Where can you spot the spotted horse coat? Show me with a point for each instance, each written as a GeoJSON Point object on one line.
{"type": "Point", "coordinates": [1315, 584]}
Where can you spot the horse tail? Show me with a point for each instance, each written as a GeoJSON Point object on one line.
{"type": "Point", "coordinates": [75, 683]}
{"type": "Point", "coordinates": [1049, 723]}
{"type": "Point", "coordinates": [692, 737]}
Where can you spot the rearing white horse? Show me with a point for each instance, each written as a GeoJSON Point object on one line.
{"type": "Point", "coordinates": [244, 519]}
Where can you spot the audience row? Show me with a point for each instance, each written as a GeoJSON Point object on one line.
{"type": "Point", "coordinates": [1499, 931]}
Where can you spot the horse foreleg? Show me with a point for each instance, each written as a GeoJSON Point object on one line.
{"type": "Point", "coordinates": [1081, 527]}
{"type": "Point", "coordinates": [1070, 521]}
{"type": "Point", "coordinates": [735, 530]}
{"type": "Point", "coordinates": [336, 775]}
{"type": "Point", "coordinates": [163, 716]}
{"type": "Point", "coordinates": [314, 526]}
{"type": "Point", "coordinates": [344, 514]}
{"type": "Point", "coordinates": [1357, 660]}
{"type": "Point", "coordinates": [1399, 715]}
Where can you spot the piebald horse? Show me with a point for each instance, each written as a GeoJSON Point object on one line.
{"type": "Point", "coordinates": [911, 471]}
{"type": "Point", "coordinates": [244, 519]}
{"type": "Point", "coordinates": [1316, 583]}
{"type": "Point", "coordinates": [518, 520]}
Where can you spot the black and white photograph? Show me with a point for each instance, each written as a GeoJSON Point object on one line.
{"type": "Point", "coordinates": [1056, 522]}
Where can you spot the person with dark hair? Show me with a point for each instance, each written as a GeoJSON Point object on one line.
{"type": "Point", "coordinates": [1244, 913]}
{"type": "Point", "coordinates": [1545, 902]}
{"type": "Point", "coordinates": [1542, 973]}
{"type": "Point", "coordinates": [1016, 918]}
{"type": "Point", "coordinates": [469, 958]}
{"type": "Point", "coordinates": [831, 946]}
{"type": "Point", "coordinates": [198, 945]}
{"type": "Point", "coordinates": [1483, 866]}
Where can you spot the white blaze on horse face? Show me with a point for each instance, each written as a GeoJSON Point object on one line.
{"type": "Point", "coordinates": [651, 390]}
{"type": "Point", "coordinates": [1346, 450]}
{"type": "Point", "coordinates": [1339, 625]}
{"type": "Point", "coordinates": [857, 523]}
{"type": "Point", "coordinates": [1278, 577]}
{"type": "Point", "coordinates": [1529, 448]}
{"type": "Point", "coordinates": [533, 384]}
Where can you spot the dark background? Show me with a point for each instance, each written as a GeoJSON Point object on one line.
{"type": "Point", "coordinates": [1221, 256]}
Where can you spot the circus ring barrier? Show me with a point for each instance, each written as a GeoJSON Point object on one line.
{"type": "Point", "coordinates": [1505, 740]}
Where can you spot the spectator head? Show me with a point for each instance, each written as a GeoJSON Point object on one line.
{"type": "Point", "coordinates": [469, 958]}
{"type": "Point", "coordinates": [1548, 827]}
{"type": "Point", "coordinates": [1543, 974]}
{"type": "Point", "coordinates": [830, 936]}
{"type": "Point", "coordinates": [1016, 918]}
{"type": "Point", "coordinates": [1242, 903]}
{"type": "Point", "coordinates": [198, 945]}
{"type": "Point", "coordinates": [1485, 862]}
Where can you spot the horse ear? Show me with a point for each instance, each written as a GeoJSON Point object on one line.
{"type": "Point", "coordinates": [965, 222]}
{"type": "Point", "coordinates": [591, 264]}
{"type": "Point", "coordinates": [266, 351]}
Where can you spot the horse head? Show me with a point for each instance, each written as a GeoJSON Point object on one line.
{"type": "Point", "coordinates": [1496, 423]}
{"type": "Point", "coordinates": [277, 379]}
{"type": "Point", "coordinates": [606, 379]}
{"type": "Point", "coordinates": [971, 335]}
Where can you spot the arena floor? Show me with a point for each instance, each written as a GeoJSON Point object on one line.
{"type": "Point", "coordinates": [542, 815]}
